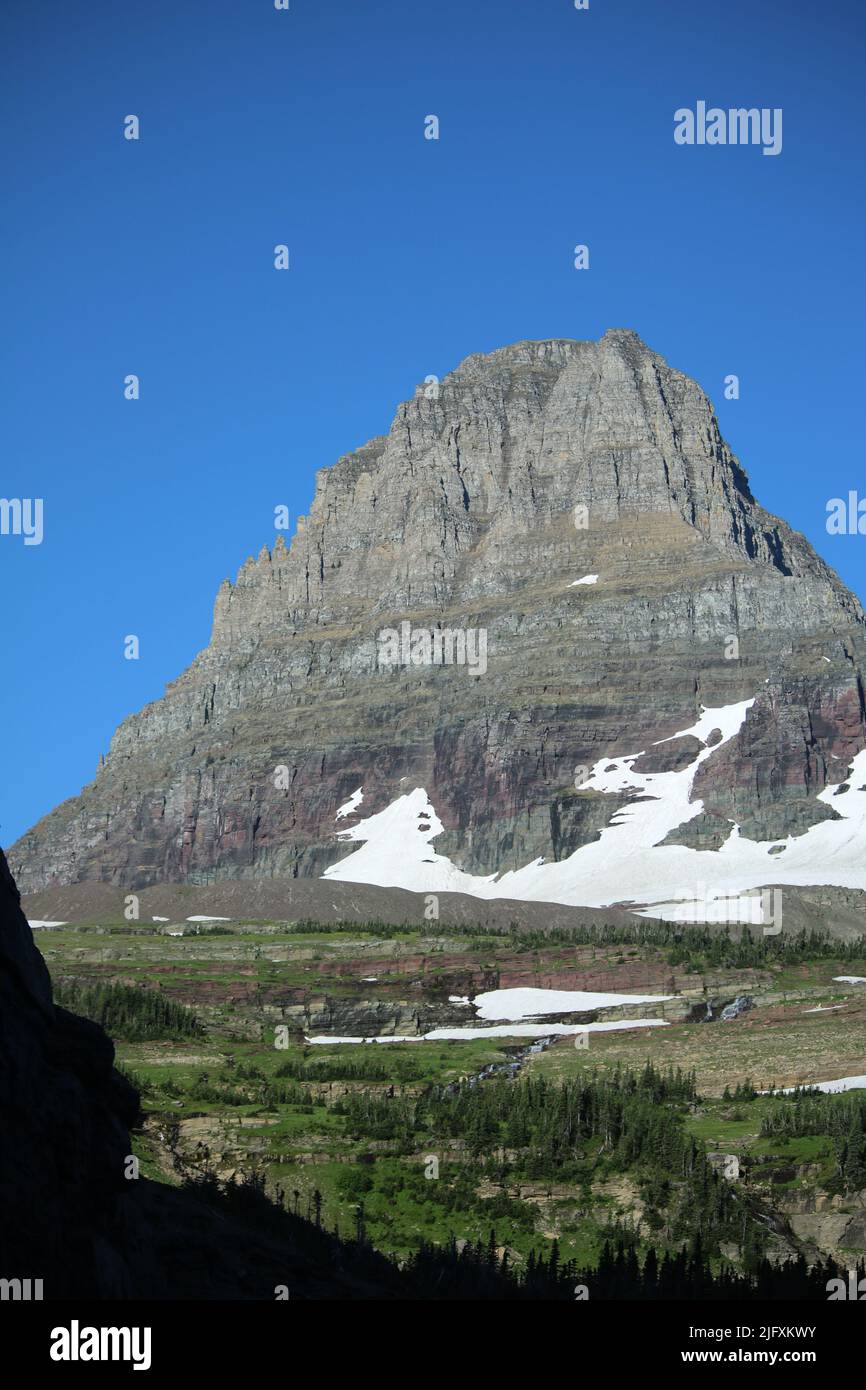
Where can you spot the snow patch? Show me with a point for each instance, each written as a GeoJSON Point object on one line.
{"type": "Point", "coordinates": [397, 853]}
{"type": "Point", "coordinates": [351, 805]}
{"type": "Point", "coordinates": [587, 579]}
{"type": "Point", "coordinates": [529, 1003]}
{"type": "Point", "coordinates": [830, 1088]}
{"type": "Point", "coordinates": [627, 864]}
{"type": "Point", "coordinates": [513, 1030]}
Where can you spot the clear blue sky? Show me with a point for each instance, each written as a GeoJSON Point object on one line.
{"type": "Point", "coordinates": [306, 127]}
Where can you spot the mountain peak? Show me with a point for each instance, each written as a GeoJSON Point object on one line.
{"type": "Point", "coordinates": [571, 505]}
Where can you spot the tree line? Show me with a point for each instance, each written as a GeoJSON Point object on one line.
{"type": "Point", "coordinates": [840, 1118]}
{"type": "Point", "coordinates": [129, 1012]}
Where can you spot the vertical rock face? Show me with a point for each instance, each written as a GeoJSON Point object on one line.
{"type": "Point", "coordinates": [64, 1136]}
{"type": "Point", "coordinates": [526, 470]}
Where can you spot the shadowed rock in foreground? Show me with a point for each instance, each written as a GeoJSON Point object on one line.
{"type": "Point", "coordinates": [69, 1217]}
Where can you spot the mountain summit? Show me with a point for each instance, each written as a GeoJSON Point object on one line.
{"type": "Point", "coordinates": [671, 683]}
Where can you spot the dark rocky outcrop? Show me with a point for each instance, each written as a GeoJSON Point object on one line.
{"type": "Point", "coordinates": [66, 1116]}
{"type": "Point", "coordinates": [69, 1216]}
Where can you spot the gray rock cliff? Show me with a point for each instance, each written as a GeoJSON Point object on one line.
{"type": "Point", "coordinates": [464, 516]}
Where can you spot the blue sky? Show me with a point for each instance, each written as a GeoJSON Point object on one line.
{"type": "Point", "coordinates": [306, 127]}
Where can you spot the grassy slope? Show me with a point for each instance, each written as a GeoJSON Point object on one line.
{"type": "Point", "coordinates": [234, 979]}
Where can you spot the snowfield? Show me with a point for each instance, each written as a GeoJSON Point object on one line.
{"type": "Point", "coordinates": [513, 1030]}
{"type": "Point", "coordinates": [529, 1003]}
{"type": "Point", "coordinates": [830, 1088]}
{"type": "Point", "coordinates": [628, 864]}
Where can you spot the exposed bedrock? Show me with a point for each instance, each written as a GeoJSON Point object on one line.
{"type": "Point", "coordinates": [463, 516]}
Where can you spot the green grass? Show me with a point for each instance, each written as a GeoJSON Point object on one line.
{"type": "Point", "coordinates": [266, 965]}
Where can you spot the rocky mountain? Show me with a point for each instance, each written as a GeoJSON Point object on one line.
{"type": "Point", "coordinates": [657, 675]}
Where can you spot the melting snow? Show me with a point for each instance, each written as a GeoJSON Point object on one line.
{"type": "Point", "coordinates": [397, 853]}
{"type": "Point", "coordinates": [36, 924]}
{"type": "Point", "coordinates": [542, 1030]}
{"type": "Point", "coordinates": [529, 1003]}
{"type": "Point", "coordinates": [351, 805]}
{"type": "Point", "coordinates": [512, 1030]}
{"type": "Point", "coordinates": [395, 1038]}
{"type": "Point", "coordinates": [208, 919]}
{"type": "Point", "coordinates": [627, 864]}
{"type": "Point", "coordinates": [850, 979]}
{"type": "Point", "coordinates": [703, 908]}
{"type": "Point", "coordinates": [587, 579]}
{"type": "Point", "coordinates": [845, 1083]}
